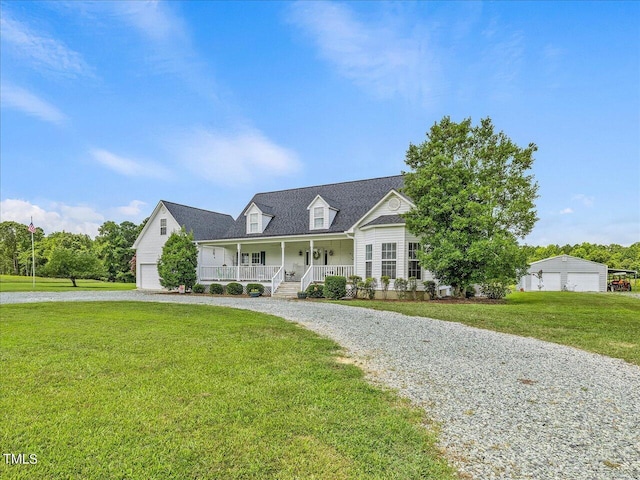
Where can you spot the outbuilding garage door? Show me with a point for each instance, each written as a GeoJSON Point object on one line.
{"type": "Point", "coordinates": [583, 282]}
{"type": "Point", "coordinates": [149, 276]}
{"type": "Point", "coordinates": [550, 282]}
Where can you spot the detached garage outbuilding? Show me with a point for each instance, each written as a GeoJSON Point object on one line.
{"type": "Point", "coordinates": [565, 272]}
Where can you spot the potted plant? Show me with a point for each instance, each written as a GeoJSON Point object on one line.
{"type": "Point", "coordinates": [302, 295]}
{"type": "Point", "coordinates": [254, 292]}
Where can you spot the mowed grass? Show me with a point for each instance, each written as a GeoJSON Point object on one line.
{"type": "Point", "coordinates": [602, 323]}
{"type": "Point", "coordinates": [14, 283]}
{"type": "Point", "coordinates": [138, 391]}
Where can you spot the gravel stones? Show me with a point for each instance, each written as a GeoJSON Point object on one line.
{"type": "Point", "coordinates": [508, 407]}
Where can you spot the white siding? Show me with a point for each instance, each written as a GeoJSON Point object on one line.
{"type": "Point", "coordinates": [574, 273]}
{"type": "Point", "coordinates": [150, 244]}
{"type": "Point", "coordinates": [385, 209]}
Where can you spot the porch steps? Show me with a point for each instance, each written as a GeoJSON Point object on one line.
{"type": "Point", "coordinates": [287, 290]}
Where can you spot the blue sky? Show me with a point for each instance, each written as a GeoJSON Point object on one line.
{"type": "Point", "coordinates": [108, 107]}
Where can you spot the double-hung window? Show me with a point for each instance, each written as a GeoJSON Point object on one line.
{"type": "Point", "coordinates": [318, 217]}
{"type": "Point", "coordinates": [163, 226]}
{"type": "Point", "coordinates": [389, 260]}
{"type": "Point", "coordinates": [414, 265]}
{"type": "Point", "coordinates": [368, 261]}
{"type": "Point", "coordinates": [253, 223]}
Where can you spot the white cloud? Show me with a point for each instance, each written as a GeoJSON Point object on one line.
{"type": "Point", "coordinates": [59, 217]}
{"type": "Point", "coordinates": [586, 200]}
{"type": "Point", "coordinates": [25, 101]}
{"type": "Point", "coordinates": [235, 158]}
{"type": "Point", "coordinates": [41, 51]}
{"type": "Point", "coordinates": [131, 210]}
{"type": "Point", "coordinates": [129, 167]}
{"type": "Point", "coordinates": [384, 58]}
{"type": "Point", "coordinates": [56, 216]}
{"type": "Point", "coordinates": [565, 211]}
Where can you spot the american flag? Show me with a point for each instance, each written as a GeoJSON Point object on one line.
{"type": "Point", "coordinates": [32, 229]}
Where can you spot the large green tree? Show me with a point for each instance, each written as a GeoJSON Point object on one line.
{"type": "Point", "coordinates": [178, 262]}
{"type": "Point", "coordinates": [113, 247]}
{"type": "Point", "coordinates": [473, 200]}
{"type": "Point", "coordinates": [15, 248]}
{"type": "Point", "coordinates": [73, 264]}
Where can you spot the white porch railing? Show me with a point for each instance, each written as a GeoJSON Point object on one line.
{"type": "Point", "coordinates": [259, 273]}
{"type": "Point", "coordinates": [318, 273]}
{"type": "Point", "coordinates": [277, 279]}
{"type": "Point", "coordinates": [306, 279]}
{"type": "Point", "coordinates": [218, 273]}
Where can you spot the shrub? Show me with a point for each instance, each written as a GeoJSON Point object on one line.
{"type": "Point", "coordinates": [430, 288]}
{"type": "Point", "coordinates": [355, 281]}
{"type": "Point", "coordinates": [494, 290]}
{"type": "Point", "coordinates": [400, 285]}
{"type": "Point", "coordinates": [216, 289]}
{"type": "Point", "coordinates": [335, 287]}
{"type": "Point", "coordinates": [234, 288]}
{"type": "Point", "coordinates": [198, 288]}
{"type": "Point", "coordinates": [412, 286]}
{"type": "Point", "coordinates": [255, 286]}
{"type": "Point", "coordinates": [369, 288]}
{"type": "Point", "coordinates": [384, 280]}
{"type": "Point", "coordinates": [315, 290]}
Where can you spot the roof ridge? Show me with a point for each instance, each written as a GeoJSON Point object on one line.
{"type": "Point", "coordinates": [195, 208]}
{"type": "Point", "coordinates": [327, 185]}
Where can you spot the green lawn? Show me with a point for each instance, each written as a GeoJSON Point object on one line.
{"type": "Point", "coordinates": [603, 323]}
{"type": "Point", "coordinates": [13, 283]}
{"type": "Point", "coordinates": [138, 391]}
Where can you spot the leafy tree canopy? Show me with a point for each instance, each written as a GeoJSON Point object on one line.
{"type": "Point", "coordinates": [179, 260]}
{"type": "Point", "coordinates": [65, 262]}
{"type": "Point", "coordinates": [474, 200]}
{"type": "Point", "coordinates": [113, 246]}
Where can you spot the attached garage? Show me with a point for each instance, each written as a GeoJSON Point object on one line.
{"type": "Point", "coordinates": [565, 272]}
{"type": "Point", "coordinates": [149, 278]}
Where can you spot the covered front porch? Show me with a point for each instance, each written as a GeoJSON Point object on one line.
{"type": "Point", "coordinates": [274, 262]}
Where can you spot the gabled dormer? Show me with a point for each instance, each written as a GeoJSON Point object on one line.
{"type": "Point", "coordinates": [322, 212]}
{"type": "Point", "coordinates": [258, 217]}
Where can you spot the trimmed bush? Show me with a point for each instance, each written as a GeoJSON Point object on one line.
{"type": "Point", "coordinates": [335, 287]}
{"type": "Point", "coordinates": [216, 289]}
{"type": "Point", "coordinates": [430, 288]}
{"type": "Point", "coordinates": [369, 288]}
{"type": "Point", "coordinates": [198, 288]}
{"type": "Point", "coordinates": [234, 288]}
{"type": "Point", "coordinates": [255, 286]}
{"type": "Point", "coordinates": [315, 290]}
{"type": "Point", "coordinates": [400, 285]}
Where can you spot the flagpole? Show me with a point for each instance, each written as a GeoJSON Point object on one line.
{"type": "Point", "coordinates": [33, 258]}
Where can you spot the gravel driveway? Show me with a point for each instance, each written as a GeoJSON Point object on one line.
{"type": "Point", "coordinates": [509, 407]}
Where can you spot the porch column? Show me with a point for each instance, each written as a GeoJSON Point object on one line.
{"type": "Point", "coordinates": [282, 247]}
{"type": "Point", "coordinates": [239, 260]}
{"type": "Point", "coordinates": [313, 279]}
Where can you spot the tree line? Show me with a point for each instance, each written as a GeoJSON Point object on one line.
{"type": "Point", "coordinates": [71, 255]}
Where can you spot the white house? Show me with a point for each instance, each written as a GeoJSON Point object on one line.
{"type": "Point", "coordinates": [565, 272]}
{"type": "Point", "coordinates": [291, 238]}
{"type": "Point", "coordinates": [166, 218]}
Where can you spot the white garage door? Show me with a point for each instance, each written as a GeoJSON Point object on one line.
{"type": "Point", "coordinates": [149, 276]}
{"type": "Point", "coordinates": [550, 282]}
{"type": "Point", "coordinates": [583, 282]}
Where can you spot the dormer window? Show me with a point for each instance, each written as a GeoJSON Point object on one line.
{"type": "Point", "coordinates": [318, 217]}
{"type": "Point", "coordinates": [258, 217]}
{"type": "Point", "coordinates": [321, 213]}
{"type": "Point", "coordinates": [253, 223]}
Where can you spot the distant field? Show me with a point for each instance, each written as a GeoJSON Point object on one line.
{"type": "Point", "coordinates": [143, 390]}
{"type": "Point", "coordinates": [12, 283]}
{"type": "Point", "coordinates": [605, 323]}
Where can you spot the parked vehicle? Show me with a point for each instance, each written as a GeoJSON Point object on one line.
{"type": "Point", "coordinates": [619, 283]}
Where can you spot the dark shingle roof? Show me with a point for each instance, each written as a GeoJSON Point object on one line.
{"type": "Point", "coordinates": [289, 207]}
{"type": "Point", "coordinates": [386, 220]}
{"type": "Point", "coordinates": [204, 224]}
